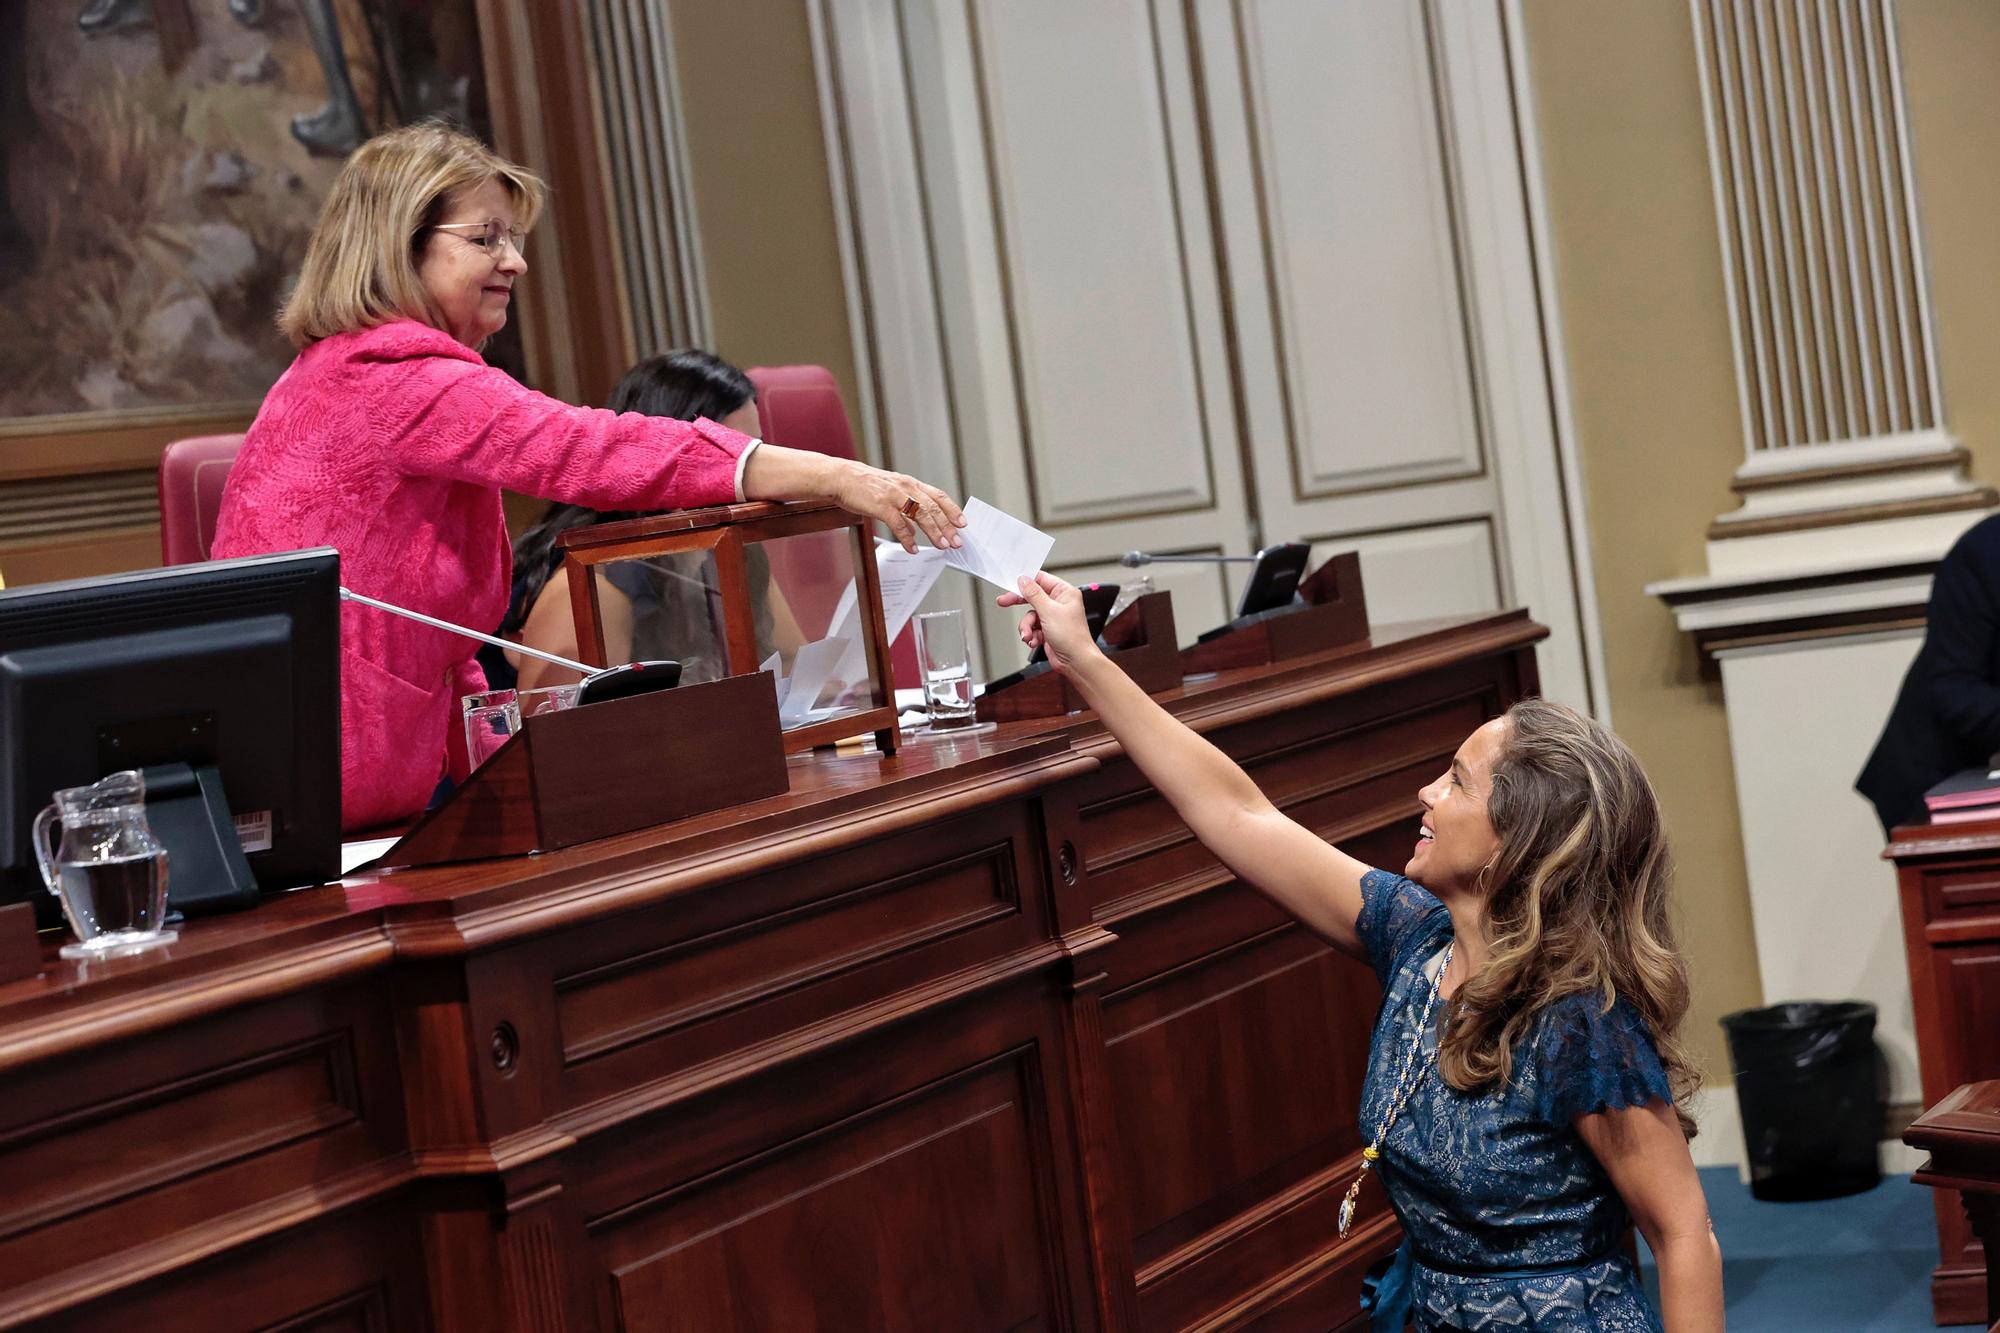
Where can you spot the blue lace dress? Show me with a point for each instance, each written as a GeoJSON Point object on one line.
{"type": "Point", "coordinates": [1509, 1219]}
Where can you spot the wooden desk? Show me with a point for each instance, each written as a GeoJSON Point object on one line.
{"type": "Point", "coordinates": [1948, 876]}
{"type": "Point", "coordinates": [1962, 1135]}
{"type": "Point", "coordinates": [971, 1038]}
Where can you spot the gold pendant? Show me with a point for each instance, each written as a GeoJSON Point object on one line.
{"type": "Point", "coordinates": [1347, 1207]}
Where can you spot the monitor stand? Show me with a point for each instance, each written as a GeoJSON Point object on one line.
{"type": "Point", "coordinates": [206, 868]}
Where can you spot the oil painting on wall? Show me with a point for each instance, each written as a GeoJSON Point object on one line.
{"type": "Point", "coordinates": [161, 164]}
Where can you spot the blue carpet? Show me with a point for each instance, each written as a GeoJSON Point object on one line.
{"type": "Point", "coordinates": [1861, 1264]}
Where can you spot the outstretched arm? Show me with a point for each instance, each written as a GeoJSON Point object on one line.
{"type": "Point", "coordinates": [471, 422]}
{"type": "Point", "coordinates": [1288, 863]}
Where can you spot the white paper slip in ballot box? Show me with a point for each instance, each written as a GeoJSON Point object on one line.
{"type": "Point", "coordinates": [905, 578]}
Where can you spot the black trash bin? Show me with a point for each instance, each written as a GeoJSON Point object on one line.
{"type": "Point", "coordinates": [1812, 1107]}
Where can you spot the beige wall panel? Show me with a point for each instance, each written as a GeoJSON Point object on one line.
{"type": "Point", "coordinates": [1363, 266]}
{"type": "Point", "coordinates": [758, 174]}
{"type": "Point", "coordinates": [1951, 50]}
{"type": "Point", "coordinates": [1446, 570]}
{"type": "Point", "coordinates": [1201, 599]}
{"type": "Point", "coordinates": [1638, 272]}
{"type": "Point", "coordinates": [1083, 178]}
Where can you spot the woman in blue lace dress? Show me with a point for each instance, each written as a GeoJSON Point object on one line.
{"type": "Point", "coordinates": [1522, 1103]}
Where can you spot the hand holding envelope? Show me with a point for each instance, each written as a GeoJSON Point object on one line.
{"type": "Point", "coordinates": [997, 547]}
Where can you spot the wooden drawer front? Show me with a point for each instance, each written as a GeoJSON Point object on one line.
{"type": "Point", "coordinates": [1339, 780]}
{"type": "Point", "coordinates": [717, 970]}
{"type": "Point", "coordinates": [121, 1156]}
{"type": "Point", "coordinates": [1964, 897]}
{"type": "Point", "coordinates": [359, 1273]}
{"type": "Point", "coordinates": [1968, 980]}
{"type": "Point", "coordinates": [1234, 1088]}
{"type": "Point", "coordinates": [925, 1211]}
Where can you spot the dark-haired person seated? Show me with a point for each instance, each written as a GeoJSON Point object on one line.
{"type": "Point", "coordinates": [667, 607]}
{"type": "Point", "coordinates": [389, 439]}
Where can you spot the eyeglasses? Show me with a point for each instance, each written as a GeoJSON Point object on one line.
{"type": "Point", "coordinates": [489, 234]}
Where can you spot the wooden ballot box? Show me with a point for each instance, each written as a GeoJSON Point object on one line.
{"type": "Point", "coordinates": [725, 591]}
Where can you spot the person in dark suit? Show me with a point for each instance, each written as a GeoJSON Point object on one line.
{"type": "Point", "coordinates": [1947, 714]}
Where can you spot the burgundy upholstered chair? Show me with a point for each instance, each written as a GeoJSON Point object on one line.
{"type": "Point", "coordinates": [192, 473]}
{"type": "Point", "coordinates": [800, 408]}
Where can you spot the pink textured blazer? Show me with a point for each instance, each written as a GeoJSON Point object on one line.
{"type": "Point", "coordinates": [391, 445]}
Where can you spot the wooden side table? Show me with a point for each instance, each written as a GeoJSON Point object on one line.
{"type": "Point", "coordinates": [1962, 1135]}
{"type": "Point", "coordinates": [1948, 880]}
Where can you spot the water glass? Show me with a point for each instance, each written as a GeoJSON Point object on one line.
{"type": "Point", "coordinates": [1129, 591]}
{"type": "Point", "coordinates": [490, 718]}
{"type": "Point", "coordinates": [947, 672]}
{"type": "Point", "coordinates": [547, 699]}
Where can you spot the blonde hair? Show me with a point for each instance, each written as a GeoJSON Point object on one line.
{"type": "Point", "coordinates": [360, 268]}
{"type": "Point", "coordinates": [1578, 903]}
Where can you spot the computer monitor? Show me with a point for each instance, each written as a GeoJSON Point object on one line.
{"type": "Point", "coordinates": [220, 680]}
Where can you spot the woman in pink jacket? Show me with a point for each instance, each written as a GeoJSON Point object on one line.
{"type": "Point", "coordinates": [389, 439]}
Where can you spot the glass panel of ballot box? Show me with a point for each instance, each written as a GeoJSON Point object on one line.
{"type": "Point", "coordinates": [778, 588]}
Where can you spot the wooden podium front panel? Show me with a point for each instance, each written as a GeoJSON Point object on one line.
{"type": "Point", "coordinates": [122, 1163]}
{"type": "Point", "coordinates": [915, 1181]}
{"type": "Point", "coordinates": [638, 999]}
{"type": "Point", "coordinates": [974, 1037]}
{"type": "Point", "coordinates": [357, 1272]}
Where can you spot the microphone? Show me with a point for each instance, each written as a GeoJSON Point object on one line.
{"type": "Point", "coordinates": [347, 595]}
{"type": "Point", "coordinates": [1134, 559]}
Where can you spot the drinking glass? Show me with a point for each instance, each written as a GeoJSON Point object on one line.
{"type": "Point", "coordinates": [947, 673]}
{"type": "Point", "coordinates": [1130, 590]}
{"type": "Point", "coordinates": [490, 718]}
{"type": "Point", "coordinates": [547, 699]}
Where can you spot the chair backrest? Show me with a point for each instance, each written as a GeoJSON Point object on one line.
{"type": "Point", "coordinates": [192, 474]}
{"type": "Point", "coordinates": [800, 408]}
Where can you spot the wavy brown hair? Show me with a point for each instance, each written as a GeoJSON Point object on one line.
{"type": "Point", "coordinates": [1577, 902]}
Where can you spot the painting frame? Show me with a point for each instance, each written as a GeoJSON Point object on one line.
{"type": "Point", "coordinates": [541, 110]}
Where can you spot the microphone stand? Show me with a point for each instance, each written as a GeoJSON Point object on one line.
{"type": "Point", "coordinates": [347, 595]}
{"type": "Point", "coordinates": [1134, 559]}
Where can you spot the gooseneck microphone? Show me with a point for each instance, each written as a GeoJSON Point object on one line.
{"type": "Point", "coordinates": [1134, 559]}
{"type": "Point", "coordinates": [599, 684]}
{"type": "Point", "coordinates": [347, 595]}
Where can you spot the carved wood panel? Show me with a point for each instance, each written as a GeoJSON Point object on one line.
{"type": "Point", "coordinates": [916, 1178]}
{"type": "Point", "coordinates": [663, 991]}
{"type": "Point", "coordinates": [809, 1235]}
{"type": "Point", "coordinates": [360, 1272]}
{"type": "Point", "coordinates": [115, 1157]}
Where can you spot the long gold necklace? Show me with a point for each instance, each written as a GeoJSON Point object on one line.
{"type": "Point", "coordinates": [1406, 1083]}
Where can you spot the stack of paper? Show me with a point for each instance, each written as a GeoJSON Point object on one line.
{"type": "Point", "coordinates": [997, 547]}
